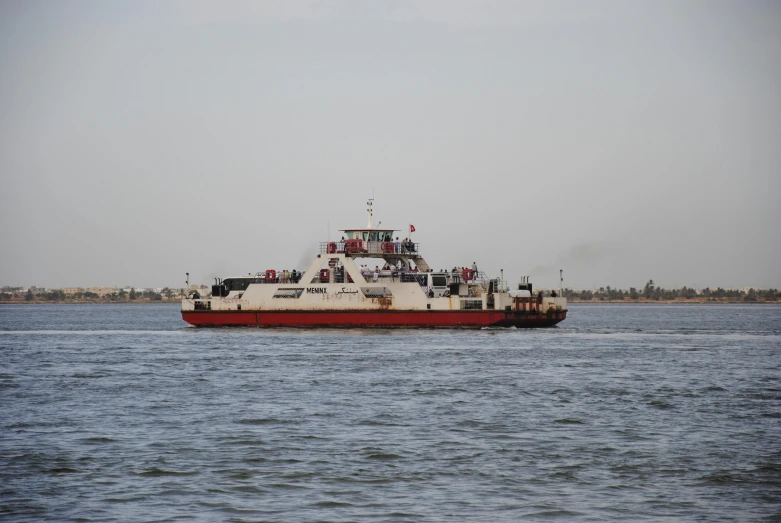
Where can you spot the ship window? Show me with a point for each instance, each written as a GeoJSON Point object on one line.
{"type": "Point", "coordinates": [439, 281]}
{"type": "Point", "coordinates": [410, 277]}
{"type": "Point", "coordinates": [288, 293]}
{"type": "Point", "coordinates": [239, 284]}
{"type": "Point", "coordinates": [350, 235]}
{"type": "Point", "coordinates": [472, 304]}
{"type": "Point", "coordinates": [204, 305]}
{"type": "Point", "coordinates": [365, 235]}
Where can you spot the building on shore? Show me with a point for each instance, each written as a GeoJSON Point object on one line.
{"type": "Point", "coordinates": [102, 291]}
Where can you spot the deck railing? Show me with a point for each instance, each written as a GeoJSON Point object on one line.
{"type": "Point", "coordinates": [338, 275]}
{"type": "Point", "coordinates": [359, 248]}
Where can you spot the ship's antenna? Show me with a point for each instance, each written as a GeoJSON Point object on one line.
{"type": "Point", "coordinates": [329, 231]}
{"type": "Point", "coordinates": [369, 210]}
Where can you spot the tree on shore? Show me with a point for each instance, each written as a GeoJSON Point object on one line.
{"type": "Point", "coordinates": [55, 295]}
{"type": "Point", "coordinates": [648, 290]}
{"type": "Point", "coordinates": [652, 292]}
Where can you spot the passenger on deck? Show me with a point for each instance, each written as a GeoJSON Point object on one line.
{"type": "Point", "coordinates": [376, 272]}
{"type": "Point", "coordinates": [397, 246]}
{"type": "Point", "coordinates": [474, 269]}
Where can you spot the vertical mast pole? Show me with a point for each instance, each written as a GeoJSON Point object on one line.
{"type": "Point", "coordinates": [561, 282]}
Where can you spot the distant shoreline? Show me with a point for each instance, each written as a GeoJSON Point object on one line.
{"type": "Point", "coordinates": [693, 301]}
{"type": "Point", "coordinates": [84, 302]}
{"type": "Point", "coordinates": [569, 301]}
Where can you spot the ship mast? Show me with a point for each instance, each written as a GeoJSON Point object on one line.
{"type": "Point", "coordinates": [369, 210]}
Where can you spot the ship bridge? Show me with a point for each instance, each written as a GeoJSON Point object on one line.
{"type": "Point", "coordinates": [374, 242]}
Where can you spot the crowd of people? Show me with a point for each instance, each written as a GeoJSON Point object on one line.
{"type": "Point", "coordinates": [391, 271]}
{"type": "Point", "coordinates": [285, 276]}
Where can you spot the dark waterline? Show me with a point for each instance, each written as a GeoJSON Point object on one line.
{"type": "Point", "coordinates": [122, 412]}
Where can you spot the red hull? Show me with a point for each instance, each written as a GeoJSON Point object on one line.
{"type": "Point", "coordinates": [346, 319]}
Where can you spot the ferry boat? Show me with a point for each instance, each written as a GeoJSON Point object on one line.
{"type": "Point", "coordinates": [368, 279]}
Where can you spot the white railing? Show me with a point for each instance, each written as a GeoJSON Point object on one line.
{"type": "Point", "coordinates": [371, 248]}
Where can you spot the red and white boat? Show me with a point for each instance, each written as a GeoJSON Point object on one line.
{"type": "Point", "coordinates": [369, 279]}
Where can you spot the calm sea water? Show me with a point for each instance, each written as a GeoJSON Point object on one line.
{"type": "Point", "coordinates": [658, 412]}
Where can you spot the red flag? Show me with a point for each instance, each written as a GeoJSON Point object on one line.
{"type": "Point", "coordinates": [411, 228]}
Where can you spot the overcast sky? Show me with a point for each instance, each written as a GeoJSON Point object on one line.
{"type": "Point", "coordinates": [619, 141]}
